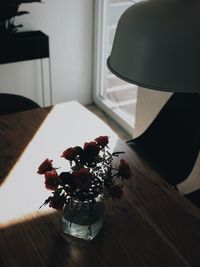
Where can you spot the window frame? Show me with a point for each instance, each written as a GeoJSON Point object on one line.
{"type": "Point", "coordinates": [100, 40]}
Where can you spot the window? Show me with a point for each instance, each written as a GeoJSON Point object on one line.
{"type": "Point", "coordinates": [116, 97]}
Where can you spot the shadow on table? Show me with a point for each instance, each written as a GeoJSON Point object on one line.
{"type": "Point", "coordinates": [38, 241]}
{"type": "Point", "coordinates": [16, 131]}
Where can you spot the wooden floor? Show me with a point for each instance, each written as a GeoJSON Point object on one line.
{"type": "Point", "coordinates": [102, 115]}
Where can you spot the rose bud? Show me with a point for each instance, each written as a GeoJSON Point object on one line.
{"type": "Point", "coordinates": [57, 202]}
{"type": "Point", "coordinates": [102, 141]}
{"type": "Point", "coordinates": [45, 166]}
{"type": "Point", "coordinates": [124, 169]}
{"type": "Point", "coordinates": [70, 153]}
{"type": "Point", "coordinates": [51, 180]}
{"type": "Point", "coordinates": [116, 191]}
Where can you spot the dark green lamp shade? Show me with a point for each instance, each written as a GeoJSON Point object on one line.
{"type": "Point", "coordinates": [157, 45]}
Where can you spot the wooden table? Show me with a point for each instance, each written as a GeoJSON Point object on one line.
{"type": "Point", "coordinates": [150, 226]}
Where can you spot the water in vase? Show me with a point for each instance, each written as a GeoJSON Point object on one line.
{"type": "Point", "coordinates": [82, 221]}
{"type": "Point", "coordinates": [86, 232]}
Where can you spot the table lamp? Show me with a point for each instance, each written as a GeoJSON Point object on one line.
{"type": "Point", "coordinates": [157, 46]}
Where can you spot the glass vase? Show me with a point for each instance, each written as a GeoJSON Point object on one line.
{"type": "Point", "coordinates": [83, 219]}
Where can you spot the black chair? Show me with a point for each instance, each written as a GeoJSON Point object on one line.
{"type": "Point", "coordinates": [11, 103]}
{"type": "Point", "coordinates": [171, 143]}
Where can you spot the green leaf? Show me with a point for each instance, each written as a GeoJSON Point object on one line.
{"type": "Point", "coordinates": [46, 202]}
{"type": "Point", "coordinates": [75, 168]}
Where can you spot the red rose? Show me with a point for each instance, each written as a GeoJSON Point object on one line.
{"type": "Point", "coordinates": [102, 141]}
{"type": "Point", "coordinates": [116, 191]}
{"type": "Point", "coordinates": [92, 148]}
{"type": "Point", "coordinates": [51, 180]}
{"type": "Point", "coordinates": [45, 166]}
{"type": "Point", "coordinates": [57, 202]}
{"type": "Point", "coordinates": [70, 153]}
{"type": "Point", "coordinates": [124, 169]}
{"type": "Point", "coordinates": [82, 177]}
{"type": "Point", "coordinates": [90, 151]}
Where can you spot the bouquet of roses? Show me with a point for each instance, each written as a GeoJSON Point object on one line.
{"type": "Point", "coordinates": [91, 175]}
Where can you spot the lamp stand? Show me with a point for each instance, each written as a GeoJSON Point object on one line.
{"type": "Point", "coordinates": [171, 143]}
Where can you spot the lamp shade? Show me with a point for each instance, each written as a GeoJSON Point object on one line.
{"type": "Point", "coordinates": [157, 45]}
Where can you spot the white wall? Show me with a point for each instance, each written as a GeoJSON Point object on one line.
{"type": "Point", "coordinates": [69, 25]}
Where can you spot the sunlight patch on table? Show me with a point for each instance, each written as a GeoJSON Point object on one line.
{"type": "Point", "coordinates": [68, 124]}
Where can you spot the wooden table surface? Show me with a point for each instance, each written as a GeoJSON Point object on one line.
{"type": "Point", "coordinates": [151, 225]}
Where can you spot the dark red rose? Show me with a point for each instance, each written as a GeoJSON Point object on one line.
{"type": "Point", "coordinates": [82, 177]}
{"type": "Point", "coordinates": [45, 166]}
{"type": "Point", "coordinates": [116, 191]}
{"type": "Point", "coordinates": [70, 153]}
{"type": "Point", "coordinates": [68, 179]}
{"type": "Point", "coordinates": [51, 180]}
{"type": "Point", "coordinates": [124, 169]}
{"type": "Point", "coordinates": [90, 151]}
{"type": "Point", "coordinates": [92, 148]}
{"type": "Point", "coordinates": [57, 202]}
{"type": "Point", "coordinates": [102, 141]}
